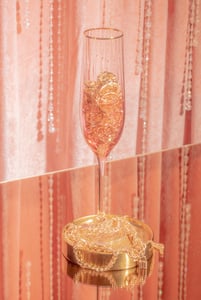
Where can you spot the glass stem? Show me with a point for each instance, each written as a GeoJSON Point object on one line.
{"type": "Point", "coordinates": [101, 191]}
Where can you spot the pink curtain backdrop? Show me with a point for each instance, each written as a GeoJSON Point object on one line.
{"type": "Point", "coordinates": [40, 68]}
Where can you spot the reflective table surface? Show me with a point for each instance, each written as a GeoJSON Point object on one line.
{"type": "Point", "coordinates": [162, 189]}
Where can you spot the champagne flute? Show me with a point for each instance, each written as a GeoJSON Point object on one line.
{"type": "Point", "coordinates": [102, 95]}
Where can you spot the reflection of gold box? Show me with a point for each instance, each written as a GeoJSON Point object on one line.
{"type": "Point", "coordinates": [108, 242]}
{"type": "Point", "coordinates": [127, 278]}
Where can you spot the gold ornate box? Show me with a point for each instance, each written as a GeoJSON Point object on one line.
{"type": "Point", "coordinates": [108, 242]}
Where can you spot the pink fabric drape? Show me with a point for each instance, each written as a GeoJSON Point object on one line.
{"type": "Point", "coordinates": [41, 55]}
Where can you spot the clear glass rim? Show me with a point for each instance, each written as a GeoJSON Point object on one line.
{"type": "Point", "coordinates": [116, 33]}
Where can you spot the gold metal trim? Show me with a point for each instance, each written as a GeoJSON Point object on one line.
{"type": "Point", "coordinates": [116, 31]}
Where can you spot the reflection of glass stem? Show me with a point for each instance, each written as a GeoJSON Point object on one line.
{"type": "Point", "coordinates": [101, 191]}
